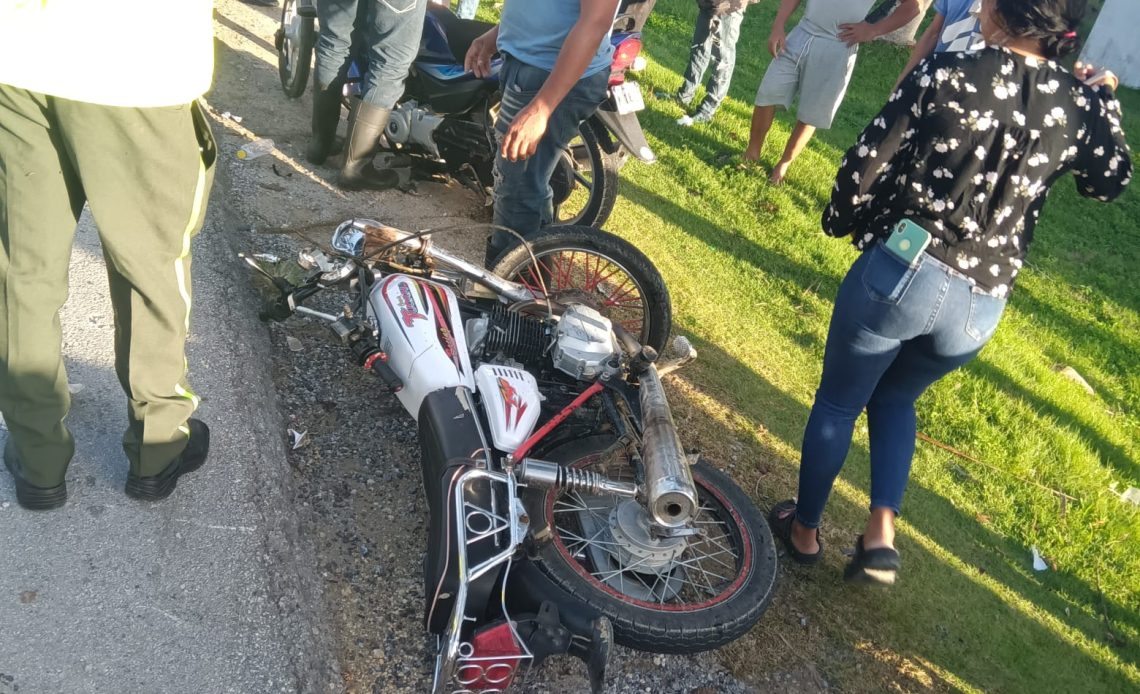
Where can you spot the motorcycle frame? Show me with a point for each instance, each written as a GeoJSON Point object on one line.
{"type": "Point", "coordinates": [668, 480]}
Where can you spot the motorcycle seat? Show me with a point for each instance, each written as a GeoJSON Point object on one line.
{"type": "Point", "coordinates": [458, 33]}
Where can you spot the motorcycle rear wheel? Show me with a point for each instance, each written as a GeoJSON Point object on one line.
{"type": "Point", "coordinates": [590, 266]}
{"type": "Point", "coordinates": [711, 595]}
{"type": "Point", "coordinates": [585, 182]}
{"type": "Point", "coordinates": [295, 39]}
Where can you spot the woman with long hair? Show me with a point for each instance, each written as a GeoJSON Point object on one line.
{"type": "Point", "coordinates": [942, 192]}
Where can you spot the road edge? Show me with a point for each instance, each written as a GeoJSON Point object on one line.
{"type": "Point", "coordinates": [289, 558]}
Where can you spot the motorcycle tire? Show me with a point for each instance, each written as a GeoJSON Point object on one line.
{"type": "Point", "coordinates": [669, 627]}
{"type": "Point", "coordinates": [602, 184]}
{"type": "Point", "coordinates": [294, 54]}
{"type": "Point", "coordinates": [627, 288]}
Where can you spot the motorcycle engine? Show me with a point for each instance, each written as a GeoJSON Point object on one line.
{"type": "Point", "coordinates": [408, 124]}
{"type": "Point", "coordinates": [584, 342]}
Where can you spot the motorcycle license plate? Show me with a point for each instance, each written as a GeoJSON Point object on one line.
{"type": "Point", "coordinates": [627, 97]}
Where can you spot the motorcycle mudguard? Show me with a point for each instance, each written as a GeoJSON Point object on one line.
{"type": "Point", "coordinates": [451, 440]}
{"type": "Point", "coordinates": [626, 128]}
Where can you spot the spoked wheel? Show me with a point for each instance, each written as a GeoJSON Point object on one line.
{"type": "Point", "coordinates": [295, 40]}
{"type": "Point", "coordinates": [585, 181]}
{"type": "Point", "coordinates": [592, 267]}
{"type": "Point", "coordinates": [666, 595]}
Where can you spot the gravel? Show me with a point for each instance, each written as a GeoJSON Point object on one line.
{"type": "Point", "coordinates": [357, 479]}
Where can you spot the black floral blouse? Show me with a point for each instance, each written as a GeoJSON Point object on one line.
{"type": "Point", "coordinates": [968, 147]}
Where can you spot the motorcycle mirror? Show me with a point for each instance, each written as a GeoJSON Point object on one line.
{"type": "Point", "coordinates": [349, 239]}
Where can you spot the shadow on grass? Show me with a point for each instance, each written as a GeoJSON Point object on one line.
{"type": "Point", "coordinates": [1109, 453]}
{"type": "Point", "coordinates": [740, 247]}
{"type": "Point", "coordinates": [967, 630]}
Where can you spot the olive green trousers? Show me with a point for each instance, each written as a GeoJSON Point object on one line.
{"type": "Point", "coordinates": [146, 174]}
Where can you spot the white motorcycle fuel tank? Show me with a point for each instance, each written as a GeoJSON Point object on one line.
{"type": "Point", "coordinates": [511, 401]}
{"type": "Point", "coordinates": [421, 331]}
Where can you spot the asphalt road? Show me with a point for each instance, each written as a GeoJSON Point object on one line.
{"type": "Point", "coordinates": [206, 592]}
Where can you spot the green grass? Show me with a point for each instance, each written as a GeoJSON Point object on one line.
{"type": "Point", "coordinates": [752, 280]}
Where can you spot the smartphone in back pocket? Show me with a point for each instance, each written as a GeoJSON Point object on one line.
{"type": "Point", "coordinates": [907, 241]}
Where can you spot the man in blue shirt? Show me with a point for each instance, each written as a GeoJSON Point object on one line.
{"type": "Point", "coordinates": [954, 28]}
{"type": "Point", "coordinates": [555, 74]}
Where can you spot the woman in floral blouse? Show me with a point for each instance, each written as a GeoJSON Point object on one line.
{"type": "Point", "coordinates": [967, 148]}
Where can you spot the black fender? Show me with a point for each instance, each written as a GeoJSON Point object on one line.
{"type": "Point", "coordinates": [625, 129]}
{"type": "Point", "coordinates": [451, 442]}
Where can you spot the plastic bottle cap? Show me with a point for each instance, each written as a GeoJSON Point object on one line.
{"type": "Point", "coordinates": [242, 154]}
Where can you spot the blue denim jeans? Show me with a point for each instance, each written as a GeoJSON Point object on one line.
{"type": "Point", "coordinates": [467, 9]}
{"type": "Point", "coordinates": [387, 30]}
{"type": "Point", "coordinates": [895, 330]}
{"type": "Point", "coordinates": [714, 38]}
{"type": "Point", "coordinates": [523, 198]}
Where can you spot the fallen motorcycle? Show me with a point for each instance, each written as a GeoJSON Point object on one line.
{"type": "Point", "coordinates": [564, 512]}
{"type": "Point", "coordinates": [445, 120]}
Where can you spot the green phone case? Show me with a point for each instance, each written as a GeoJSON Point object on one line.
{"type": "Point", "coordinates": [907, 241]}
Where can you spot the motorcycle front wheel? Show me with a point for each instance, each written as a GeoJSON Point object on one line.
{"type": "Point", "coordinates": [294, 40]}
{"type": "Point", "coordinates": [588, 266]}
{"type": "Point", "coordinates": [585, 181]}
{"type": "Point", "coordinates": [663, 595]}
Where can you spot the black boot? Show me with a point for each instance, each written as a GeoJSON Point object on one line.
{"type": "Point", "coordinates": [366, 123]}
{"type": "Point", "coordinates": [28, 495]}
{"type": "Point", "coordinates": [326, 116]}
{"type": "Point", "coordinates": [191, 458]}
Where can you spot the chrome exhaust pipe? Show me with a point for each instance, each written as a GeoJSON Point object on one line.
{"type": "Point", "coordinates": [670, 491]}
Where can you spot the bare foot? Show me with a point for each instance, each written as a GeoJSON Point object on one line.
{"type": "Point", "coordinates": [778, 173]}
{"type": "Point", "coordinates": [750, 155]}
{"type": "Point", "coordinates": [880, 530]}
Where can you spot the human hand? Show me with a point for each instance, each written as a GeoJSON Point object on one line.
{"type": "Point", "coordinates": [1092, 76]}
{"type": "Point", "coordinates": [859, 32]}
{"type": "Point", "coordinates": [777, 40]}
{"type": "Point", "coordinates": [526, 130]}
{"type": "Point", "coordinates": [478, 58]}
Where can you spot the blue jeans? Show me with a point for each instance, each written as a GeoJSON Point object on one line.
{"type": "Point", "coordinates": [523, 198]}
{"type": "Point", "coordinates": [388, 30]}
{"type": "Point", "coordinates": [713, 38]}
{"type": "Point", "coordinates": [895, 330]}
{"type": "Point", "coordinates": [467, 9]}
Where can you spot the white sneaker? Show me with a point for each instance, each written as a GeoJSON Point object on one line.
{"type": "Point", "coordinates": [685, 121]}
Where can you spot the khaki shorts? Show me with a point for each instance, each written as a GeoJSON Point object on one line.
{"type": "Point", "coordinates": [814, 68]}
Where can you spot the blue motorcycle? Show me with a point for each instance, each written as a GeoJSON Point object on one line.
{"type": "Point", "coordinates": [445, 120]}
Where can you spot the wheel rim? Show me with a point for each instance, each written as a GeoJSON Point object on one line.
{"type": "Point", "coordinates": [576, 168]}
{"type": "Point", "coordinates": [586, 276]}
{"type": "Point", "coordinates": [708, 570]}
{"type": "Point", "coordinates": [289, 45]}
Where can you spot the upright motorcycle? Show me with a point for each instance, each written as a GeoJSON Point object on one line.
{"type": "Point", "coordinates": [564, 512]}
{"type": "Point", "coordinates": [446, 118]}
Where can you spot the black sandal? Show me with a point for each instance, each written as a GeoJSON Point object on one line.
{"type": "Point", "coordinates": [780, 519]}
{"type": "Point", "coordinates": [879, 566]}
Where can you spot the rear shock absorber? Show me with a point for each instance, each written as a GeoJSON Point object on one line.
{"type": "Point", "coordinates": [547, 475]}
